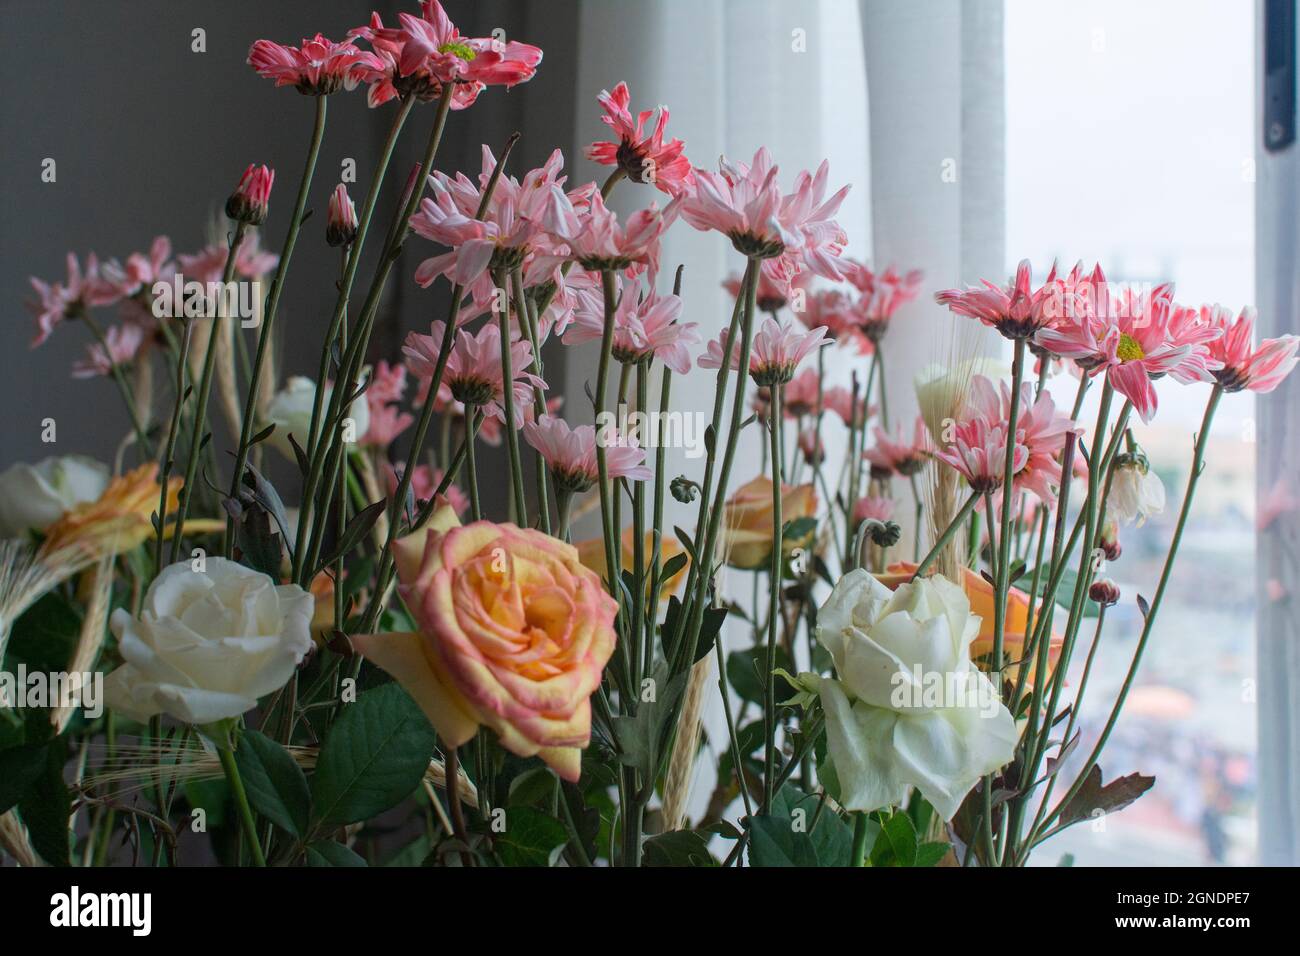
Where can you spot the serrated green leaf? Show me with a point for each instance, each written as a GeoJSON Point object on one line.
{"type": "Point", "coordinates": [276, 785]}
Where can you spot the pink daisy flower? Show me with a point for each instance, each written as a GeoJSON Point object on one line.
{"type": "Point", "coordinates": [1134, 337]}
{"type": "Point", "coordinates": [896, 455]}
{"type": "Point", "coordinates": [839, 400]}
{"type": "Point", "coordinates": [776, 353]}
{"type": "Point", "coordinates": [881, 295]}
{"type": "Point", "coordinates": [424, 53]}
{"type": "Point", "coordinates": [644, 328]}
{"type": "Point", "coordinates": [474, 374]}
{"type": "Point", "coordinates": [124, 343]}
{"type": "Point", "coordinates": [979, 446]}
{"type": "Point", "coordinates": [788, 232]}
{"type": "Point", "coordinates": [424, 482]}
{"type": "Point", "coordinates": [571, 453]}
{"type": "Point", "coordinates": [316, 68]}
{"type": "Point", "coordinates": [640, 152]}
{"type": "Point", "coordinates": [772, 296]}
{"type": "Point", "coordinates": [800, 394]}
{"type": "Point", "coordinates": [595, 239]}
{"type": "Point", "coordinates": [1244, 366]}
{"type": "Point", "coordinates": [142, 270]}
{"type": "Point", "coordinates": [209, 263]}
{"type": "Point", "coordinates": [82, 290]}
{"type": "Point", "coordinates": [1017, 310]}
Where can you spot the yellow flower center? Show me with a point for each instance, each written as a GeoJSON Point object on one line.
{"type": "Point", "coordinates": [462, 50]}
{"type": "Point", "coordinates": [1129, 350]}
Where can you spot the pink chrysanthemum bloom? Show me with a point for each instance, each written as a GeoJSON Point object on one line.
{"type": "Point", "coordinates": [420, 56]}
{"type": "Point", "coordinates": [124, 343]}
{"type": "Point", "coordinates": [880, 295]}
{"type": "Point", "coordinates": [1135, 337]}
{"type": "Point", "coordinates": [571, 453]}
{"type": "Point", "coordinates": [82, 290]}
{"type": "Point", "coordinates": [873, 508]}
{"type": "Point", "coordinates": [510, 233]}
{"type": "Point", "coordinates": [772, 296]}
{"type": "Point", "coordinates": [341, 222]}
{"type": "Point", "coordinates": [142, 270]}
{"type": "Point", "coordinates": [645, 327]}
{"type": "Point", "coordinates": [642, 155]}
{"type": "Point", "coordinates": [1244, 366]}
{"type": "Point", "coordinates": [777, 351]}
{"type": "Point", "coordinates": [788, 232]}
{"type": "Point", "coordinates": [316, 68]}
{"type": "Point", "coordinates": [812, 449]}
{"type": "Point", "coordinates": [979, 446]}
{"type": "Point", "coordinates": [833, 309]}
{"type": "Point", "coordinates": [896, 455]}
{"type": "Point", "coordinates": [474, 374]}
{"type": "Point", "coordinates": [595, 239]}
{"type": "Point", "coordinates": [799, 397]}
{"type": "Point", "coordinates": [252, 197]}
{"type": "Point", "coordinates": [1016, 310]}
{"type": "Point", "coordinates": [209, 263]}
{"type": "Point", "coordinates": [387, 420]}
{"type": "Point", "coordinates": [840, 400]}
{"type": "Point", "coordinates": [424, 482]}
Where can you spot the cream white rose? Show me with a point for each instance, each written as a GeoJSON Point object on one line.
{"type": "Point", "coordinates": [208, 644]}
{"type": "Point", "coordinates": [290, 411]}
{"type": "Point", "coordinates": [1136, 492]}
{"type": "Point", "coordinates": [33, 497]}
{"type": "Point", "coordinates": [908, 708]}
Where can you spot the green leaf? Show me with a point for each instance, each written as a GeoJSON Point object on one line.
{"type": "Point", "coordinates": [533, 787]}
{"type": "Point", "coordinates": [638, 735]}
{"type": "Point", "coordinates": [45, 636]}
{"type": "Point", "coordinates": [1093, 798]}
{"type": "Point", "coordinates": [531, 838]}
{"type": "Point", "coordinates": [20, 767]}
{"type": "Point", "coordinates": [678, 848]}
{"type": "Point", "coordinates": [372, 759]}
{"type": "Point", "coordinates": [788, 837]}
{"type": "Point", "coordinates": [896, 845]}
{"type": "Point", "coordinates": [45, 808]}
{"type": "Point", "coordinates": [275, 783]}
{"type": "Point", "coordinates": [745, 669]}
{"type": "Point", "coordinates": [356, 529]}
{"type": "Point", "coordinates": [929, 854]}
{"type": "Point", "coordinates": [329, 853]}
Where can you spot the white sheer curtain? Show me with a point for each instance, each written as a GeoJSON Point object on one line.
{"type": "Point", "coordinates": [794, 76]}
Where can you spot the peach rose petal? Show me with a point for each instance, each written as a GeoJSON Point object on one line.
{"type": "Point", "coordinates": [402, 655]}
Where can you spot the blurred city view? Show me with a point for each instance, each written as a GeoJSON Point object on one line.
{"type": "Point", "coordinates": [1129, 151]}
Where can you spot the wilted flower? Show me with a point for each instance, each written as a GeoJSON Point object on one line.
{"type": "Point", "coordinates": [1136, 492]}
{"type": "Point", "coordinates": [33, 497]}
{"type": "Point", "coordinates": [120, 518]}
{"type": "Point", "coordinates": [1104, 591]}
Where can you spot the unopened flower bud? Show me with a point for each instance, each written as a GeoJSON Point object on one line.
{"type": "Point", "coordinates": [883, 533]}
{"type": "Point", "coordinates": [341, 225]}
{"type": "Point", "coordinates": [1109, 542]}
{"type": "Point", "coordinates": [249, 202]}
{"type": "Point", "coordinates": [1104, 591]}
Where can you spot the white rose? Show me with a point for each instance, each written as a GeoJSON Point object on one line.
{"type": "Point", "coordinates": [290, 411]}
{"type": "Point", "coordinates": [1136, 492]}
{"type": "Point", "coordinates": [908, 708]}
{"type": "Point", "coordinates": [208, 643]}
{"type": "Point", "coordinates": [33, 497]}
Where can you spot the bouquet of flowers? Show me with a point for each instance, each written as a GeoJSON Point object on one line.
{"type": "Point", "coordinates": [387, 671]}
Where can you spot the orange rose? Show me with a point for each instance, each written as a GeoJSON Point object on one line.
{"type": "Point", "coordinates": [592, 554]}
{"type": "Point", "coordinates": [981, 595]}
{"type": "Point", "coordinates": [514, 634]}
{"type": "Point", "coordinates": [747, 525]}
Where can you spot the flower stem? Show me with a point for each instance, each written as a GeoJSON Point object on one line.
{"type": "Point", "coordinates": [953, 527]}
{"type": "Point", "coordinates": [859, 856]}
{"type": "Point", "coordinates": [205, 390]}
{"type": "Point", "coordinates": [608, 282]}
{"type": "Point", "coordinates": [272, 307]}
{"type": "Point", "coordinates": [246, 821]}
{"type": "Point", "coordinates": [508, 399]}
{"type": "Point", "coordinates": [774, 604]}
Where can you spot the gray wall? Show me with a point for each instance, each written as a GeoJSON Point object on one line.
{"type": "Point", "coordinates": [150, 138]}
